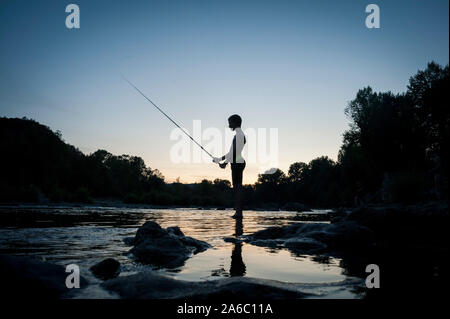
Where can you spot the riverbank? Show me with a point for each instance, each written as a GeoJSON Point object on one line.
{"type": "Point", "coordinates": [407, 242]}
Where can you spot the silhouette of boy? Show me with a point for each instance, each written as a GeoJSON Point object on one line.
{"type": "Point", "coordinates": [234, 157]}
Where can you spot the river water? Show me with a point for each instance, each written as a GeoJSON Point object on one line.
{"type": "Point", "coordinates": [87, 235]}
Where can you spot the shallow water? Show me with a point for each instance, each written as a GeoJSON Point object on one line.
{"type": "Point", "coordinates": [85, 236]}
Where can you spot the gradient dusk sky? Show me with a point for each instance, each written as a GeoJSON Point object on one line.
{"type": "Point", "coordinates": [291, 65]}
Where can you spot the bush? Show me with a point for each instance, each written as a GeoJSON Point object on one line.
{"type": "Point", "coordinates": [406, 187]}
{"type": "Point", "coordinates": [81, 195]}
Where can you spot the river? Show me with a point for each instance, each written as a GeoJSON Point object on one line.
{"type": "Point", "coordinates": [87, 235]}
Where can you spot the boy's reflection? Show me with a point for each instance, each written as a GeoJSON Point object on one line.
{"type": "Point", "coordinates": [237, 267]}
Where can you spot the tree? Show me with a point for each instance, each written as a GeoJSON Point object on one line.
{"type": "Point", "coordinates": [428, 90]}
{"type": "Point", "coordinates": [296, 171]}
{"type": "Point", "coordinates": [270, 186]}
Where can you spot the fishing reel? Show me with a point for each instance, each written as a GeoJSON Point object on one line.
{"type": "Point", "coordinates": [223, 165]}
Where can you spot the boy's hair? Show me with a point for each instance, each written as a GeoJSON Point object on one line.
{"type": "Point", "coordinates": [236, 119]}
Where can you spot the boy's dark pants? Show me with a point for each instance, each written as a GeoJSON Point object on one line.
{"type": "Point", "coordinates": [237, 170]}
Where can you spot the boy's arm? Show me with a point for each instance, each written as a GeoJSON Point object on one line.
{"type": "Point", "coordinates": [227, 158]}
{"type": "Point", "coordinates": [217, 161]}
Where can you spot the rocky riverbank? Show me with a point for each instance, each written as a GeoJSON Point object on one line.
{"type": "Point", "coordinates": [407, 242]}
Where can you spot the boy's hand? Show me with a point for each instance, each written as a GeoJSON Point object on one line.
{"type": "Point", "coordinates": [223, 165]}
{"type": "Point", "coordinates": [216, 160]}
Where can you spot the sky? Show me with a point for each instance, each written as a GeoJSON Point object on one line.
{"type": "Point", "coordinates": [289, 65]}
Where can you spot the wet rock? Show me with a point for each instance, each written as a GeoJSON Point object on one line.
{"type": "Point", "coordinates": [150, 230]}
{"type": "Point", "coordinates": [363, 228]}
{"type": "Point", "coordinates": [304, 244]}
{"type": "Point", "coordinates": [29, 278]}
{"type": "Point", "coordinates": [106, 269]}
{"type": "Point", "coordinates": [275, 232]}
{"type": "Point", "coordinates": [165, 252]}
{"type": "Point", "coordinates": [164, 247]}
{"type": "Point", "coordinates": [347, 236]}
{"type": "Point", "coordinates": [149, 285]}
{"type": "Point", "coordinates": [405, 225]}
{"type": "Point", "coordinates": [339, 213]}
{"type": "Point", "coordinates": [175, 230]}
{"type": "Point", "coordinates": [267, 243]}
{"type": "Point", "coordinates": [129, 241]}
{"type": "Point", "coordinates": [396, 215]}
{"type": "Point", "coordinates": [272, 232]}
{"type": "Point", "coordinates": [314, 236]}
{"type": "Point", "coordinates": [198, 245]}
{"type": "Point", "coordinates": [233, 240]}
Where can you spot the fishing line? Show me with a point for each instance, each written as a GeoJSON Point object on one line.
{"type": "Point", "coordinates": [159, 109]}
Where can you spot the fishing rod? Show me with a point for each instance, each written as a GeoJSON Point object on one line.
{"type": "Point", "coordinates": [159, 109]}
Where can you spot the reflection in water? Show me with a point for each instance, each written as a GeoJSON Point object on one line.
{"type": "Point", "coordinates": [237, 267]}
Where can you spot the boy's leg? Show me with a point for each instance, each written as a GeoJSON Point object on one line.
{"type": "Point", "coordinates": [238, 194]}
{"type": "Point", "coordinates": [237, 172]}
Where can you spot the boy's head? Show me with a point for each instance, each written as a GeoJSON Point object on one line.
{"type": "Point", "coordinates": [234, 121]}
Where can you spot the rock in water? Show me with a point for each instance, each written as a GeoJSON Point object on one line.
{"type": "Point", "coordinates": [175, 230]}
{"type": "Point", "coordinates": [164, 247]}
{"type": "Point", "coordinates": [150, 230]}
{"type": "Point", "coordinates": [304, 244]}
{"type": "Point", "coordinates": [315, 237]}
{"type": "Point", "coordinates": [151, 285]}
{"type": "Point", "coordinates": [129, 241]}
{"type": "Point", "coordinates": [27, 278]}
{"type": "Point", "coordinates": [106, 269]}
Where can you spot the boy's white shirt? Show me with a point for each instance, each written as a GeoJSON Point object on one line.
{"type": "Point", "coordinates": [240, 142]}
